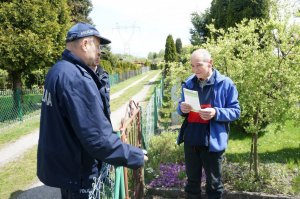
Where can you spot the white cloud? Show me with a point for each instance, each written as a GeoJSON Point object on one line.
{"type": "Point", "coordinates": [140, 27]}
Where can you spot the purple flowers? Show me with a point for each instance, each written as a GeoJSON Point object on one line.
{"type": "Point", "coordinates": [171, 175]}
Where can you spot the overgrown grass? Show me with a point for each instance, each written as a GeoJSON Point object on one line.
{"type": "Point", "coordinates": [16, 176]}
{"type": "Point", "coordinates": [16, 131]}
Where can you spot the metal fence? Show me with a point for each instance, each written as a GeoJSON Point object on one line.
{"type": "Point", "coordinates": [19, 105]}
{"type": "Point", "coordinates": [116, 78]}
{"type": "Point", "coordinates": [150, 114]}
{"type": "Point", "coordinates": [23, 104]}
{"type": "Point", "coordinates": [136, 129]}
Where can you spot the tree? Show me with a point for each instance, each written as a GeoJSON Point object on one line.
{"type": "Point", "coordinates": [178, 45]}
{"type": "Point", "coordinates": [199, 32]}
{"type": "Point", "coordinates": [170, 50]}
{"type": "Point", "coordinates": [32, 35]}
{"type": "Point", "coordinates": [80, 10]}
{"type": "Point", "coordinates": [227, 13]}
{"type": "Point", "coordinates": [263, 60]}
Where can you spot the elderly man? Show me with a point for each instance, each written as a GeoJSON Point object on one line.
{"type": "Point", "coordinates": [75, 128]}
{"type": "Point", "coordinates": [205, 130]}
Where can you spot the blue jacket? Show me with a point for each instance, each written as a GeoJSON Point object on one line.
{"type": "Point", "coordinates": [75, 128]}
{"type": "Point", "coordinates": [225, 102]}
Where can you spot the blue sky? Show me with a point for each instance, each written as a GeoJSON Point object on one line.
{"type": "Point", "coordinates": [138, 27]}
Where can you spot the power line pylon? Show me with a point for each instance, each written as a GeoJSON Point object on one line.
{"type": "Point", "coordinates": [126, 39]}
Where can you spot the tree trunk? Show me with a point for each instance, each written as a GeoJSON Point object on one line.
{"type": "Point", "coordinates": [17, 92]}
{"type": "Point", "coordinates": [255, 155]}
{"type": "Point", "coordinates": [251, 155]}
{"type": "Point", "coordinates": [254, 141]}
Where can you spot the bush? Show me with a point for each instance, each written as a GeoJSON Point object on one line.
{"type": "Point", "coordinates": [162, 150]}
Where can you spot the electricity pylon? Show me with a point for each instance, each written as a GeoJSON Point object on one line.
{"type": "Point", "coordinates": [126, 39]}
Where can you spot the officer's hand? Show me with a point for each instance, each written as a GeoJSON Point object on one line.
{"type": "Point", "coordinates": [185, 107]}
{"type": "Point", "coordinates": [207, 113]}
{"type": "Point", "coordinates": [145, 155]}
{"type": "Point", "coordinates": [145, 158]}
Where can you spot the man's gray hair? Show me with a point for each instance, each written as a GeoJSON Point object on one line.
{"type": "Point", "coordinates": [203, 53]}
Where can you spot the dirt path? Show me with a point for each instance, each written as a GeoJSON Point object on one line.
{"type": "Point", "coordinates": [40, 191]}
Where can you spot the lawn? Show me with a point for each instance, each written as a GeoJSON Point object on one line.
{"type": "Point", "coordinates": [273, 147]}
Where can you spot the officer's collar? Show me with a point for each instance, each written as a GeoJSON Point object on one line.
{"type": "Point", "coordinates": [69, 56]}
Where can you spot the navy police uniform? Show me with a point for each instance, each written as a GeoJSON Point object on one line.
{"type": "Point", "coordinates": [75, 128]}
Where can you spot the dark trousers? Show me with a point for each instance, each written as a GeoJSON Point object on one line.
{"type": "Point", "coordinates": [197, 158]}
{"type": "Point", "coordinates": [71, 194]}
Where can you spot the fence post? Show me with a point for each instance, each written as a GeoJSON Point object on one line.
{"type": "Point", "coordinates": [155, 110]}
{"type": "Point", "coordinates": [19, 104]}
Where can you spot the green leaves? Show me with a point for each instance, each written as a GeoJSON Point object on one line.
{"type": "Point", "coordinates": [32, 34]}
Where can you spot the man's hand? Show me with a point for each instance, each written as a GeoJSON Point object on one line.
{"type": "Point", "coordinates": [145, 158]}
{"type": "Point", "coordinates": [145, 155]}
{"type": "Point", "coordinates": [207, 113]}
{"type": "Point", "coordinates": [185, 108]}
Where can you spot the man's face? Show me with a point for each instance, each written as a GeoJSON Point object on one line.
{"type": "Point", "coordinates": [93, 52]}
{"type": "Point", "coordinates": [201, 67]}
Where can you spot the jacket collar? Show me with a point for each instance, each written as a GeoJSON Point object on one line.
{"type": "Point", "coordinates": [69, 56]}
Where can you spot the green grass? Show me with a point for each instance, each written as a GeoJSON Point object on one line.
{"type": "Point", "coordinates": [9, 111]}
{"type": "Point", "coordinates": [16, 176]}
{"type": "Point", "coordinates": [279, 161]}
{"type": "Point", "coordinates": [280, 147]}
{"type": "Point", "coordinates": [126, 96]}
{"type": "Point", "coordinates": [13, 133]}
{"type": "Point", "coordinates": [124, 84]}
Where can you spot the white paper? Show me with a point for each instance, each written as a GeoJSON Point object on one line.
{"type": "Point", "coordinates": [191, 97]}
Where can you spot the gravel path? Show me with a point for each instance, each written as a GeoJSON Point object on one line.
{"type": "Point", "coordinates": [12, 151]}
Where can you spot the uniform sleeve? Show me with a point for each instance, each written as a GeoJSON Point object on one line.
{"type": "Point", "coordinates": [86, 116]}
{"type": "Point", "coordinates": [231, 111]}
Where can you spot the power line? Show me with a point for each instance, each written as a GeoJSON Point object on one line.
{"type": "Point", "coordinates": [126, 39]}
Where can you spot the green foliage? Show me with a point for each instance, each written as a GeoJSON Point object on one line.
{"type": "Point", "coordinates": [273, 179]}
{"type": "Point", "coordinates": [278, 175]}
{"type": "Point", "coordinates": [170, 50]}
{"type": "Point", "coordinates": [249, 55]}
{"type": "Point", "coordinates": [32, 34]}
{"type": "Point", "coordinates": [80, 10]}
{"type": "Point", "coordinates": [162, 149]}
{"type": "Point", "coordinates": [296, 184]}
{"type": "Point", "coordinates": [227, 13]}
{"type": "Point", "coordinates": [199, 32]}
{"type": "Point", "coordinates": [3, 78]}
{"type": "Point", "coordinates": [178, 46]}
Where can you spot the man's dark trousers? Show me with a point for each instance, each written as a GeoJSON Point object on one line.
{"type": "Point", "coordinates": [197, 158]}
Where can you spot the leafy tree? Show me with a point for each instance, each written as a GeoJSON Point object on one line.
{"type": "Point", "coordinates": [170, 50]}
{"type": "Point", "coordinates": [226, 13]}
{"type": "Point", "coordinates": [199, 32]}
{"type": "Point", "coordinates": [178, 45]}
{"type": "Point", "coordinates": [80, 10]}
{"type": "Point", "coordinates": [263, 60]}
{"type": "Point", "coordinates": [32, 35]}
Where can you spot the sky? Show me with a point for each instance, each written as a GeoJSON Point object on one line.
{"type": "Point", "coordinates": [137, 27]}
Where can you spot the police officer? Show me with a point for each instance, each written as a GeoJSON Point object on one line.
{"type": "Point", "coordinates": [75, 127]}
